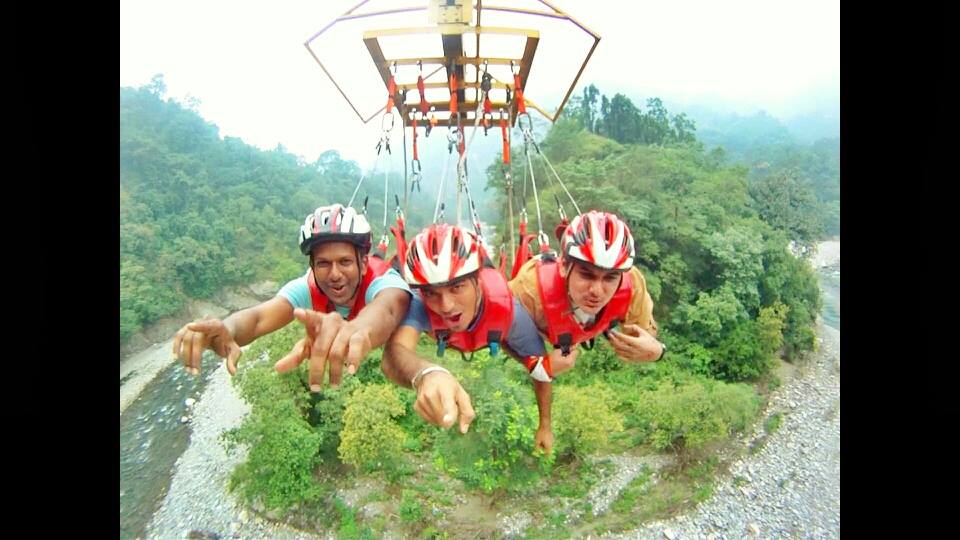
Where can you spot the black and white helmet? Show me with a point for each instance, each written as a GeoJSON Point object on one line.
{"type": "Point", "coordinates": [335, 223]}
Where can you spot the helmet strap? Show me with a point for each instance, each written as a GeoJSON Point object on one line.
{"type": "Point", "coordinates": [361, 272]}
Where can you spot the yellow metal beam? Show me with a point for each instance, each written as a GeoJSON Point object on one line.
{"type": "Point", "coordinates": [459, 30]}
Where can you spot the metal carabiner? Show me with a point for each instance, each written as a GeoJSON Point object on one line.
{"type": "Point", "coordinates": [451, 140]}
{"type": "Point", "coordinates": [529, 127]}
{"type": "Point", "coordinates": [417, 176]}
{"type": "Point", "coordinates": [383, 121]}
{"type": "Point", "coordinates": [543, 240]}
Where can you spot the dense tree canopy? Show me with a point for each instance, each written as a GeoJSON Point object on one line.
{"type": "Point", "coordinates": [198, 212]}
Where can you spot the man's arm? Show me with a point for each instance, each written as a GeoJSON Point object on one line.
{"type": "Point", "coordinates": [400, 360]}
{"type": "Point", "coordinates": [249, 324]}
{"type": "Point", "coordinates": [226, 337]}
{"type": "Point", "coordinates": [332, 341]}
{"type": "Point", "coordinates": [544, 436]}
{"type": "Point", "coordinates": [383, 314]}
{"type": "Point", "coordinates": [440, 398]}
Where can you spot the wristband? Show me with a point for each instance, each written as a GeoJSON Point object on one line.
{"type": "Point", "coordinates": [415, 381]}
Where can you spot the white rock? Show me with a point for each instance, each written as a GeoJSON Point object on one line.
{"type": "Point", "coordinates": [189, 402]}
{"type": "Point", "coordinates": [753, 529]}
{"type": "Point", "coordinates": [670, 535]}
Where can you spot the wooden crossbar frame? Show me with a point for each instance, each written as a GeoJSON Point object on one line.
{"type": "Point", "coordinates": [452, 36]}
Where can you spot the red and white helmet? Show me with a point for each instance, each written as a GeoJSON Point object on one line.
{"type": "Point", "coordinates": [599, 238]}
{"type": "Point", "coordinates": [441, 253]}
{"type": "Point", "coordinates": [335, 223]}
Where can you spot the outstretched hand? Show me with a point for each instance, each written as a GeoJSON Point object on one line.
{"type": "Point", "coordinates": [442, 402]}
{"type": "Point", "coordinates": [207, 333]}
{"type": "Point", "coordinates": [330, 340]}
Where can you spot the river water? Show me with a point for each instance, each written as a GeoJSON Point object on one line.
{"type": "Point", "coordinates": [830, 292]}
{"type": "Point", "coordinates": [153, 435]}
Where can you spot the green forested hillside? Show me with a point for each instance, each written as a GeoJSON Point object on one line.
{"type": "Point", "coordinates": [714, 255]}
{"type": "Point", "coordinates": [198, 212]}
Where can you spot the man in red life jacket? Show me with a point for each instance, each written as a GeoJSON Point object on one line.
{"type": "Point", "coordinates": [348, 301]}
{"type": "Point", "coordinates": [591, 289]}
{"type": "Point", "coordinates": [464, 303]}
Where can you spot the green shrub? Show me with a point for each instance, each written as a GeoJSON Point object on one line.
{"type": "Point", "coordinates": [583, 418]}
{"type": "Point", "coordinates": [370, 439]}
{"type": "Point", "coordinates": [283, 446]}
{"type": "Point", "coordinates": [741, 356]}
{"type": "Point", "coordinates": [686, 418]}
{"type": "Point", "coordinates": [281, 460]}
{"type": "Point", "coordinates": [496, 452]}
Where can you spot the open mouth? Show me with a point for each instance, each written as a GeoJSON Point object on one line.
{"type": "Point", "coordinates": [454, 319]}
{"type": "Point", "coordinates": [338, 290]}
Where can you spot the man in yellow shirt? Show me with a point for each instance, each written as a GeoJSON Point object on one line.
{"type": "Point", "coordinates": [591, 288]}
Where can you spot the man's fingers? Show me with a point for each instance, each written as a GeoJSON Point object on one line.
{"type": "Point", "coordinates": [449, 407]}
{"type": "Point", "coordinates": [422, 411]}
{"type": "Point", "coordinates": [295, 357]}
{"type": "Point", "coordinates": [196, 353]}
{"type": "Point", "coordinates": [336, 368]}
{"type": "Point", "coordinates": [318, 363]}
{"type": "Point", "coordinates": [186, 348]}
{"type": "Point", "coordinates": [359, 347]}
{"type": "Point", "coordinates": [633, 330]}
{"type": "Point", "coordinates": [338, 351]}
{"type": "Point", "coordinates": [432, 403]}
{"type": "Point", "coordinates": [177, 341]}
{"type": "Point", "coordinates": [233, 354]}
{"type": "Point", "coordinates": [211, 326]}
{"type": "Point", "coordinates": [467, 413]}
{"type": "Point", "coordinates": [620, 347]}
{"type": "Point", "coordinates": [312, 320]}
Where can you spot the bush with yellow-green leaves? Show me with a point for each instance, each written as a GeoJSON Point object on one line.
{"type": "Point", "coordinates": [371, 438]}
{"type": "Point", "coordinates": [583, 418]}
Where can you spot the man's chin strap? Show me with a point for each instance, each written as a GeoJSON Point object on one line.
{"type": "Point", "coordinates": [353, 297]}
{"type": "Point", "coordinates": [479, 307]}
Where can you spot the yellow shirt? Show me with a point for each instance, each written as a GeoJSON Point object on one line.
{"type": "Point", "coordinates": [524, 288]}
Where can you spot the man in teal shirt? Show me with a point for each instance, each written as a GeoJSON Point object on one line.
{"type": "Point", "coordinates": [348, 301]}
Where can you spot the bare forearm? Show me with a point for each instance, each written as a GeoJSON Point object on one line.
{"type": "Point", "coordinates": [383, 314]}
{"type": "Point", "coordinates": [243, 325]}
{"type": "Point", "coordinates": [543, 391]}
{"type": "Point", "coordinates": [249, 324]}
{"type": "Point", "coordinates": [401, 363]}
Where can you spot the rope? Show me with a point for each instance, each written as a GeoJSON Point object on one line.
{"type": "Point", "coordinates": [554, 171]}
{"type": "Point", "coordinates": [527, 139]}
{"type": "Point", "coordinates": [443, 177]}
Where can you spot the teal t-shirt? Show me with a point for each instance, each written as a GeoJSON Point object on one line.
{"type": "Point", "coordinates": [298, 294]}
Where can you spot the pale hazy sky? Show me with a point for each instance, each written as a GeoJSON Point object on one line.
{"type": "Point", "coordinates": [246, 63]}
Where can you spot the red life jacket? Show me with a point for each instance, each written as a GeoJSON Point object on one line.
{"type": "Point", "coordinates": [376, 267]}
{"type": "Point", "coordinates": [563, 330]}
{"type": "Point", "coordinates": [494, 323]}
